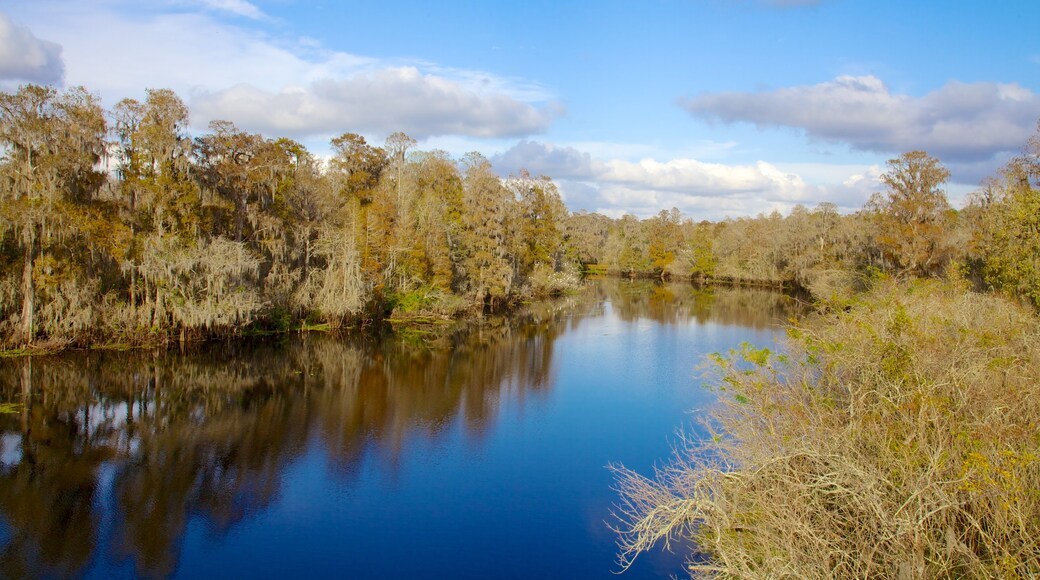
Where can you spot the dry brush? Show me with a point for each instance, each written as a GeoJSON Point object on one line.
{"type": "Point", "coordinates": [900, 438]}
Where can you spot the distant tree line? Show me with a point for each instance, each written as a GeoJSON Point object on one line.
{"type": "Point", "coordinates": [117, 226]}
{"type": "Point", "coordinates": [909, 229]}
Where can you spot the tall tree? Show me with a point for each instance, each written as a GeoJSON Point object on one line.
{"type": "Point", "coordinates": [486, 264]}
{"type": "Point", "coordinates": [665, 238]}
{"type": "Point", "coordinates": [585, 236]}
{"type": "Point", "coordinates": [1007, 236]}
{"type": "Point", "coordinates": [154, 164]}
{"type": "Point", "coordinates": [52, 144]}
{"type": "Point", "coordinates": [438, 216]}
{"type": "Point", "coordinates": [912, 214]}
{"type": "Point", "coordinates": [356, 168]}
{"type": "Point", "coordinates": [404, 261]}
{"type": "Point", "coordinates": [541, 221]}
{"type": "Point", "coordinates": [225, 165]}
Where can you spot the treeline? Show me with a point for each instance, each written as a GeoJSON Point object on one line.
{"type": "Point", "coordinates": [909, 229]}
{"type": "Point", "coordinates": [117, 226]}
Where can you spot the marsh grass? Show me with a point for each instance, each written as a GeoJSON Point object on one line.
{"type": "Point", "coordinates": [900, 438]}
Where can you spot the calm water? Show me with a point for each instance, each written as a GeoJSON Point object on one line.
{"type": "Point", "coordinates": [481, 456]}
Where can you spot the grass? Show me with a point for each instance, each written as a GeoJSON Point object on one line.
{"type": "Point", "coordinates": [314, 327]}
{"type": "Point", "coordinates": [16, 352]}
{"type": "Point", "coordinates": [418, 320]}
{"type": "Point", "coordinates": [898, 439]}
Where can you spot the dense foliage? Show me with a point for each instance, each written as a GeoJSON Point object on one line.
{"type": "Point", "coordinates": [117, 226]}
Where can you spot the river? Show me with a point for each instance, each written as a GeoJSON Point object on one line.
{"type": "Point", "coordinates": [482, 454]}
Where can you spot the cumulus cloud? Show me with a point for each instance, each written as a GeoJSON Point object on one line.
{"type": "Point", "coordinates": [957, 122]}
{"type": "Point", "coordinates": [559, 162]}
{"type": "Point", "coordinates": [696, 177]}
{"type": "Point", "coordinates": [284, 86]}
{"type": "Point", "coordinates": [699, 189]}
{"type": "Point", "coordinates": [384, 100]}
{"type": "Point", "coordinates": [24, 57]}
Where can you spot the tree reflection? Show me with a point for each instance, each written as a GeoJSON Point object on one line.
{"type": "Point", "coordinates": [673, 303]}
{"type": "Point", "coordinates": [206, 435]}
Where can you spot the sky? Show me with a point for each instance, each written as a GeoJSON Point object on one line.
{"type": "Point", "coordinates": [721, 108]}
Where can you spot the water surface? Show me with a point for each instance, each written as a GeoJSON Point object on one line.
{"type": "Point", "coordinates": [482, 455]}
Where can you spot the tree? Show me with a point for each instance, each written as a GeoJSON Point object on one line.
{"type": "Point", "coordinates": [1007, 232]}
{"type": "Point", "coordinates": [357, 168]}
{"type": "Point", "coordinates": [700, 246]}
{"type": "Point", "coordinates": [439, 213]}
{"type": "Point", "coordinates": [627, 247]}
{"type": "Point", "coordinates": [585, 237]}
{"type": "Point", "coordinates": [541, 221]}
{"type": "Point", "coordinates": [52, 144]}
{"type": "Point", "coordinates": [227, 166]}
{"type": "Point", "coordinates": [665, 237]}
{"type": "Point", "coordinates": [154, 165]}
{"type": "Point", "coordinates": [486, 221]}
{"type": "Point", "coordinates": [912, 214]}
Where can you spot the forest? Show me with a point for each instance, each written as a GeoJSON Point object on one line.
{"type": "Point", "coordinates": [121, 228]}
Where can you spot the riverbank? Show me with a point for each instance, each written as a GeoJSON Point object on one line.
{"type": "Point", "coordinates": [423, 314]}
{"type": "Point", "coordinates": [895, 435]}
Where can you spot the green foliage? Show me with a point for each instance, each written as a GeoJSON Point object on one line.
{"type": "Point", "coordinates": [1006, 228]}
{"type": "Point", "coordinates": [410, 302]}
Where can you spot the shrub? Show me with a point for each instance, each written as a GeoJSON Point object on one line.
{"type": "Point", "coordinates": [546, 281]}
{"type": "Point", "coordinates": [898, 439]}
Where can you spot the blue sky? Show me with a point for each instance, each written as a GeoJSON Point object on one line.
{"type": "Point", "coordinates": [717, 107]}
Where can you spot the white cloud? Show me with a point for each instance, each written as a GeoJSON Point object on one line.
{"type": "Point", "coordinates": [24, 57]}
{"type": "Point", "coordinates": [615, 199]}
{"type": "Point", "coordinates": [381, 101]}
{"type": "Point", "coordinates": [957, 122]}
{"type": "Point", "coordinates": [282, 86]}
{"type": "Point", "coordinates": [696, 177]}
{"type": "Point", "coordinates": [700, 190]}
{"type": "Point", "coordinates": [559, 162]}
{"type": "Point", "coordinates": [236, 7]}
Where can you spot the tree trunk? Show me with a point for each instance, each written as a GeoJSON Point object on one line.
{"type": "Point", "coordinates": [133, 268]}
{"type": "Point", "coordinates": [28, 330]}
